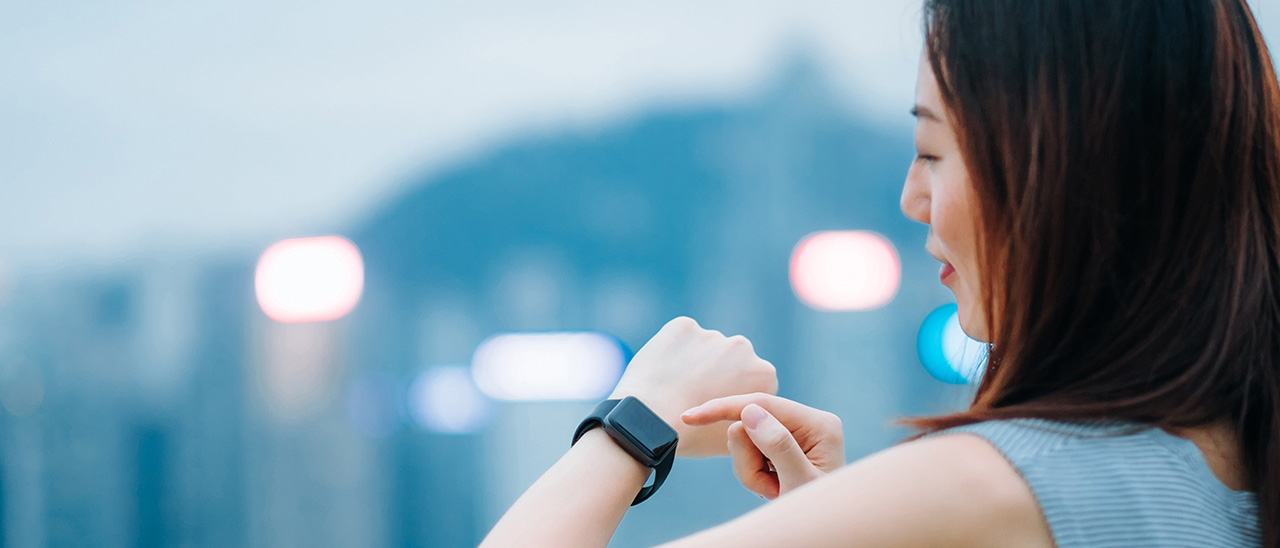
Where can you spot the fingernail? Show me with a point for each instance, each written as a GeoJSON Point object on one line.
{"type": "Point", "coordinates": [753, 415]}
{"type": "Point", "coordinates": [692, 411]}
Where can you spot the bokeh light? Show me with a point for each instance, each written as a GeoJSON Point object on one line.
{"type": "Point", "coordinates": [845, 270]}
{"type": "Point", "coordinates": [946, 352]}
{"type": "Point", "coordinates": [309, 279]}
{"type": "Point", "coordinates": [445, 400]}
{"type": "Point", "coordinates": [372, 406]}
{"type": "Point", "coordinates": [548, 366]}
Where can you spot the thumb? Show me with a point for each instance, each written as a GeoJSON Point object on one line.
{"type": "Point", "coordinates": [778, 445]}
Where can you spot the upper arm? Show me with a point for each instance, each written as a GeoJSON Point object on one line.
{"type": "Point", "coordinates": [952, 490]}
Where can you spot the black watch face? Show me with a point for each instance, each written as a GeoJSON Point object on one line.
{"type": "Point", "coordinates": [650, 434]}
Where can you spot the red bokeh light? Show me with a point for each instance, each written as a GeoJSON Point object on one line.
{"type": "Point", "coordinates": [845, 270]}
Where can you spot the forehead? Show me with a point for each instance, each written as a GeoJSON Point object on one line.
{"type": "Point", "coordinates": [927, 86]}
{"type": "Point", "coordinates": [928, 97]}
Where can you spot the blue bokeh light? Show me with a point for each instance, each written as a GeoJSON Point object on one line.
{"type": "Point", "coordinates": [444, 400]}
{"type": "Point", "coordinates": [946, 352]}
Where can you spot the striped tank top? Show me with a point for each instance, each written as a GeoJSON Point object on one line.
{"type": "Point", "coordinates": [1104, 484]}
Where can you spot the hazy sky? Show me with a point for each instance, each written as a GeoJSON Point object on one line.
{"type": "Point", "coordinates": [147, 125]}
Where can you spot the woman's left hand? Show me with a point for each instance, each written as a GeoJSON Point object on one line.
{"type": "Point", "coordinates": [777, 444]}
{"type": "Point", "coordinates": [685, 365]}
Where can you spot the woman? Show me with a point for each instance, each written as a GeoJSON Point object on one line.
{"type": "Point", "coordinates": [1101, 180]}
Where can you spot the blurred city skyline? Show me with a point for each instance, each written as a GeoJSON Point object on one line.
{"type": "Point", "coordinates": [206, 402]}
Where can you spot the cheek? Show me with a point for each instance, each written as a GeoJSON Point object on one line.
{"type": "Point", "coordinates": [956, 228]}
{"type": "Point", "coordinates": [954, 218]}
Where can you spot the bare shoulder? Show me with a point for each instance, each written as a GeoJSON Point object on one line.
{"type": "Point", "coordinates": [951, 490]}
{"type": "Point", "coordinates": [965, 476]}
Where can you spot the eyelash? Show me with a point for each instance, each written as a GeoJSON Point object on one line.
{"type": "Point", "coordinates": [926, 158]}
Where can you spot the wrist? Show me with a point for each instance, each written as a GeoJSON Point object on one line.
{"type": "Point", "coordinates": [596, 441]}
{"type": "Point", "coordinates": [668, 412]}
{"type": "Point", "coordinates": [639, 432]}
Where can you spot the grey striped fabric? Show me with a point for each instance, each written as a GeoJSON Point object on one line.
{"type": "Point", "coordinates": [1103, 484]}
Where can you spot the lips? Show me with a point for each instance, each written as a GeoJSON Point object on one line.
{"type": "Point", "coordinates": [947, 272]}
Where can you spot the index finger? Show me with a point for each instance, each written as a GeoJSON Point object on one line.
{"type": "Point", "coordinates": [730, 409]}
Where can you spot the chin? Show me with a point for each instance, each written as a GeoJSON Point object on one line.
{"type": "Point", "coordinates": [972, 322]}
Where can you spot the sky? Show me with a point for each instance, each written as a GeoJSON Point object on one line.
{"type": "Point", "coordinates": [139, 126]}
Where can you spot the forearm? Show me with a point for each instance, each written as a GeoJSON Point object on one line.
{"type": "Point", "coordinates": [581, 500]}
{"type": "Point", "coordinates": [578, 502]}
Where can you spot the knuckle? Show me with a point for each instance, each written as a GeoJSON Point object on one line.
{"type": "Point", "coordinates": [682, 324]}
{"type": "Point", "coordinates": [758, 398]}
{"type": "Point", "coordinates": [735, 430]}
{"type": "Point", "coordinates": [768, 385]}
{"type": "Point", "coordinates": [833, 422]}
{"type": "Point", "coordinates": [768, 376]}
{"type": "Point", "coordinates": [740, 342]}
{"type": "Point", "coordinates": [764, 399]}
{"type": "Point", "coordinates": [779, 441]}
{"type": "Point", "coordinates": [766, 368]}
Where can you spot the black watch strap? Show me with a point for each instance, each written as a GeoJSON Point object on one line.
{"type": "Point", "coordinates": [659, 475]}
{"type": "Point", "coordinates": [596, 418]}
{"type": "Point", "coordinates": [660, 471]}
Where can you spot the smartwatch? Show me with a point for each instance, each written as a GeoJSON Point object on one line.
{"type": "Point", "coordinates": [641, 432]}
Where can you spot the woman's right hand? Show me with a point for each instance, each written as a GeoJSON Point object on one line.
{"type": "Point", "coordinates": [777, 444]}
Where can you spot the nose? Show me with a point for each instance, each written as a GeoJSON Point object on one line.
{"type": "Point", "coordinates": [915, 201]}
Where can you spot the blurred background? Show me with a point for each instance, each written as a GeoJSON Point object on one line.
{"type": "Point", "coordinates": [337, 273]}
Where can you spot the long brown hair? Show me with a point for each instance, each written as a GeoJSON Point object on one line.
{"type": "Point", "coordinates": [1126, 156]}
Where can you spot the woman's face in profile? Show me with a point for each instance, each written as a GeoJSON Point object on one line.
{"type": "Point", "coordinates": [937, 193]}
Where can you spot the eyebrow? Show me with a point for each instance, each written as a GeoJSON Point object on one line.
{"type": "Point", "coordinates": [920, 111]}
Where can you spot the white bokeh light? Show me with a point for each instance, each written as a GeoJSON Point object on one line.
{"type": "Point", "coordinates": [845, 270]}
{"type": "Point", "coordinates": [966, 356]}
{"type": "Point", "coordinates": [548, 366]}
{"type": "Point", "coordinates": [309, 279]}
{"type": "Point", "coordinates": [445, 400]}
